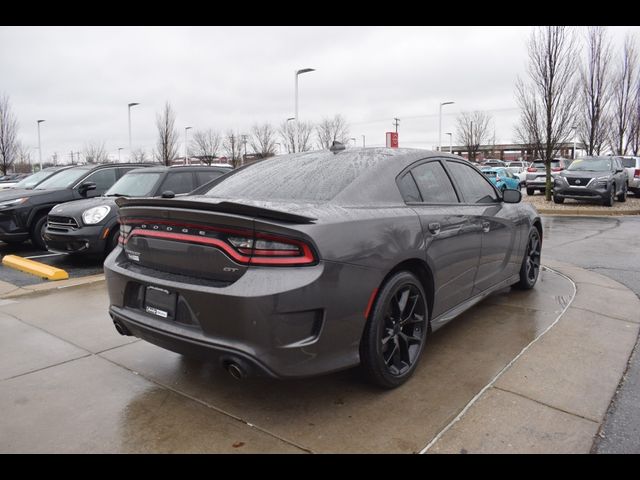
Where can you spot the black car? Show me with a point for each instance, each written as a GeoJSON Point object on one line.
{"type": "Point", "coordinates": [313, 262]}
{"type": "Point", "coordinates": [91, 226]}
{"type": "Point", "coordinates": [592, 178]}
{"type": "Point", "coordinates": [23, 213]}
{"type": "Point", "coordinates": [31, 181]}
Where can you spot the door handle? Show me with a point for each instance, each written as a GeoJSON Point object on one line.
{"type": "Point", "coordinates": [434, 228]}
{"type": "Point", "coordinates": [486, 226]}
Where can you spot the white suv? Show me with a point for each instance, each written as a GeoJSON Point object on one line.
{"type": "Point", "coordinates": [632, 166]}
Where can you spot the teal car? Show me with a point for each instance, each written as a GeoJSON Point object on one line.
{"type": "Point", "coordinates": [502, 178]}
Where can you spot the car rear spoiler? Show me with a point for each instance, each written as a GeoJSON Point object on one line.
{"type": "Point", "coordinates": [224, 207]}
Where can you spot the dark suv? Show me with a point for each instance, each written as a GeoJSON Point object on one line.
{"type": "Point", "coordinates": [91, 226]}
{"type": "Point", "coordinates": [592, 178]}
{"type": "Point", "coordinates": [23, 214]}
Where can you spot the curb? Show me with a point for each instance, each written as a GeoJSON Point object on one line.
{"type": "Point", "coordinates": [586, 213]}
{"type": "Point", "coordinates": [47, 287]}
{"type": "Point", "coordinates": [32, 267]}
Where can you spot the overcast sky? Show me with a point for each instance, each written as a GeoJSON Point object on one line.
{"type": "Point", "coordinates": [80, 79]}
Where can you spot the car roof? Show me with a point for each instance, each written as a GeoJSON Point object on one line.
{"type": "Point", "coordinates": [164, 168]}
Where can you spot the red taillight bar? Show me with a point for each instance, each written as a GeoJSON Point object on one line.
{"type": "Point", "coordinates": [249, 256]}
{"type": "Point", "coordinates": [636, 173]}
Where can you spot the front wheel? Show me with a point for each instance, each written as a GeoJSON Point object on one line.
{"type": "Point", "coordinates": [557, 199]}
{"type": "Point", "coordinates": [611, 197]}
{"type": "Point", "coordinates": [531, 191]}
{"type": "Point", "coordinates": [396, 331]}
{"type": "Point", "coordinates": [623, 194]}
{"type": "Point", "coordinates": [530, 268]}
{"type": "Point", "coordinates": [37, 232]}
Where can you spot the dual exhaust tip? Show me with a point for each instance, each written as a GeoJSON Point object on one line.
{"type": "Point", "coordinates": [234, 367]}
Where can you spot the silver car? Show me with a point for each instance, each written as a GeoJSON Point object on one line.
{"type": "Point", "coordinates": [632, 166]}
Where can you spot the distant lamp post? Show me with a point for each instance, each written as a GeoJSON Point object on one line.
{"type": "Point", "coordinates": [186, 146]}
{"type": "Point", "coordinates": [450, 141]}
{"type": "Point", "coordinates": [440, 125]}
{"type": "Point", "coordinates": [39, 144]}
{"type": "Point", "coordinates": [362, 141]}
{"type": "Point", "coordinates": [119, 148]}
{"type": "Point", "coordinates": [300, 72]}
{"type": "Point", "coordinates": [129, 111]}
{"type": "Point", "coordinates": [573, 153]}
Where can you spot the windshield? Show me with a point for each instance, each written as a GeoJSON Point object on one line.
{"type": "Point", "coordinates": [33, 180]}
{"type": "Point", "coordinates": [591, 165]}
{"type": "Point", "coordinates": [135, 185]}
{"type": "Point", "coordinates": [64, 179]}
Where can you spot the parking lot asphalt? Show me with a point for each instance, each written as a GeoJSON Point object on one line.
{"type": "Point", "coordinates": [84, 388]}
{"type": "Point", "coordinates": [76, 267]}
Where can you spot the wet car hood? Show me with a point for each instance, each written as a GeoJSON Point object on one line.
{"type": "Point", "coordinates": [579, 174]}
{"type": "Point", "coordinates": [77, 207]}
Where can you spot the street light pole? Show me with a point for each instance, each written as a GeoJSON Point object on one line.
{"type": "Point", "coordinates": [440, 125]}
{"type": "Point", "coordinates": [362, 141]}
{"type": "Point", "coordinates": [186, 146]}
{"type": "Point", "coordinates": [300, 72]}
{"type": "Point", "coordinates": [129, 110]}
{"type": "Point", "coordinates": [119, 148]}
{"type": "Point", "coordinates": [450, 141]}
{"type": "Point", "coordinates": [39, 145]}
{"type": "Point", "coordinates": [573, 154]}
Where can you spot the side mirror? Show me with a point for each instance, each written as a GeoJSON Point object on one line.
{"type": "Point", "coordinates": [619, 170]}
{"type": "Point", "coordinates": [85, 187]}
{"type": "Point", "coordinates": [168, 194]}
{"type": "Point", "coordinates": [511, 196]}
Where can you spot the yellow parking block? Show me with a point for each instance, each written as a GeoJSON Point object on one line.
{"type": "Point", "coordinates": [35, 268]}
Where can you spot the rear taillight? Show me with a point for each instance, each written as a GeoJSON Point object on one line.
{"type": "Point", "coordinates": [532, 169]}
{"type": "Point", "coordinates": [636, 173]}
{"type": "Point", "coordinates": [244, 247]}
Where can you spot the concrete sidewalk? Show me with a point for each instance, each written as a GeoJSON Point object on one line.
{"type": "Point", "coordinates": [554, 397]}
{"type": "Point", "coordinates": [523, 371]}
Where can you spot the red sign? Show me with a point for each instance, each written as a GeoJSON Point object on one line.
{"type": "Point", "coordinates": [392, 139]}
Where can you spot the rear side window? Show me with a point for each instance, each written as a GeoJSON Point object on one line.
{"type": "Point", "coordinates": [178, 182]}
{"type": "Point", "coordinates": [434, 184]}
{"type": "Point", "coordinates": [409, 189]}
{"type": "Point", "coordinates": [629, 162]}
{"type": "Point", "coordinates": [103, 178]}
{"type": "Point", "coordinates": [206, 176]}
{"type": "Point", "coordinates": [474, 187]}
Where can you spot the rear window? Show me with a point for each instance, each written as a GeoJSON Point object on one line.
{"type": "Point", "coordinates": [628, 162]}
{"type": "Point", "coordinates": [314, 177]}
{"type": "Point", "coordinates": [554, 164]}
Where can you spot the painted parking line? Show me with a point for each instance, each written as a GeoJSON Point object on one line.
{"type": "Point", "coordinates": [46, 255]}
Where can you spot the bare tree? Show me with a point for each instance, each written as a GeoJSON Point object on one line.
{"type": "Point", "coordinates": [167, 145]}
{"type": "Point", "coordinates": [94, 152]}
{"type": "Point", "coordinates": [232, 146]}
{"type": "Point", "coordinates": [296, 136]}
{"type": "Point", "coordinates": [8, 135]}
{"type": "Point", "coordinates": [22, 162]}
{"type": "Point", "coordinates": [332, 130]}
{"type": "Point", "coordinates": [206, 144]}
{"type": "Point", "coordinates": [624, 92]}
{"type": "Point", "coordinates": [139, 155]}
{"type": "Point", "coordinates": [635, 122]}
{"type": "Point", "coordinates": [472, 130]}
{"type": "Point", "coordinates": [595, 91]}
{"type": "Point", "coordinates": [263, 140]}
{"type": "Point", "coordinates": [547, 99]}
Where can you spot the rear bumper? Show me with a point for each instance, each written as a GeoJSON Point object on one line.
{"type": "Point", "coordinates": [86, 240]}
{"type": "Point", "coordinates": [281, 322]}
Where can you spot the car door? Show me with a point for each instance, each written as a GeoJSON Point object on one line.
{"type": "Point", "coordinates": [452, 246]}
{"type": "Point", "coordinates": [495, 219]}
{"type": "Point", "coordinates": [104, 178]}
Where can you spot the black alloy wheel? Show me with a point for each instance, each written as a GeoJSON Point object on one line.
{"type": "Point", "coordinates": [37, 232]}
{"type": "Point", "coordinates": [623, 194]}
{"type": "Point", "coordinates": [396, 331]}
{"type": "Point", "coordinates": [611, 197]}
{"type": "Point", "coordinates": [530, 268]}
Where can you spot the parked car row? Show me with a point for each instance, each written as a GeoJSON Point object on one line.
{"type": "Point", "coordinates": [8, 181]}
{"type": "Point", "coordinates": [84, 221]}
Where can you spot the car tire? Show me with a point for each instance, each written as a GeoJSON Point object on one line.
{"type": "Point", "coordinates": [557, 199]}
{"type": "Point", "coordinates": [391, 345]}
{"type": "Point", "coordinates": [611, 197]}
{"type": "Point", "coordinates": [37, 231]}
{"type": "Point", "coordinates": [530, 268]}
{"type": "Point", "coordinates": [531, 191]}
{"type": "Point", "coordinates": [623, 195]}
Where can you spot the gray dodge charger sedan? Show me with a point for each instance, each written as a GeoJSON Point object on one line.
{"type": "Point", "coordinates": [314, 262]}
